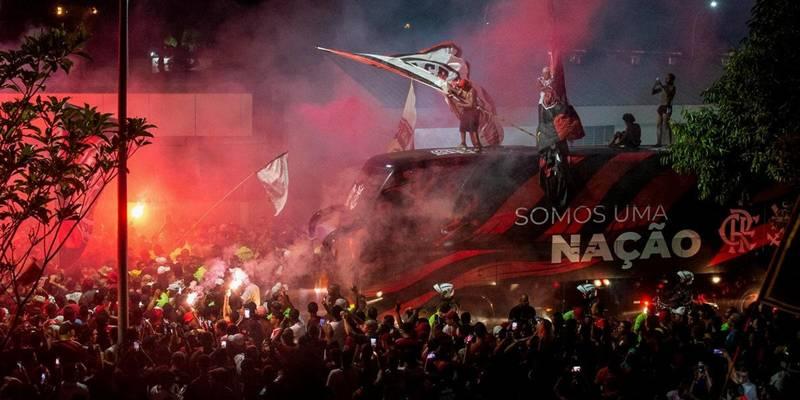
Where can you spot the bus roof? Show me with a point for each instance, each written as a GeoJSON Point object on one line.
{"type": "Point", "coordinates": [405, 159]}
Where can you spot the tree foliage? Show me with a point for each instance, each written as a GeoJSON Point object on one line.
{"type": "Point", "coordinates": [55, 159]}
{"type": "Point", "coordinates": [749, 133]}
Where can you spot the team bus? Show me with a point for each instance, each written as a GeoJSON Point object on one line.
{"type": "Point", "coordinates": [481, 221]}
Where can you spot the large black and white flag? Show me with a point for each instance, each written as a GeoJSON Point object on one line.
{"type": "Point", "coordinates": [436, 67]}
{"type": "Point", "coordinates": [275, 178]}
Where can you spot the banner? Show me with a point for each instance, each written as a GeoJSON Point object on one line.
{"type": "Point", "coordinates": [275, 177]}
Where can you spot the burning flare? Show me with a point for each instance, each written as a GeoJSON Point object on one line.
{"type": "Point", "coordinates": [190, 298]}
{"type": "Point", "coordinates": [239, 277]}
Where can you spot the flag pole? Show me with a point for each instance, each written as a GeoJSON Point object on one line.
{"type": "Point", "coordinates": [502, 120]}
{"type": "Point", "coordinates": [230, 192]}
{"type": "Point", "coordinates": [493, 115]}
{"type": "Point", "coordinates": [122, 182]}
{"type": "Point", "coordinates": [225, 197]}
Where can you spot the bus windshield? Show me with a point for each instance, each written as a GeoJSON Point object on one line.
{"type": "Point", "coordinates": [413, 203]}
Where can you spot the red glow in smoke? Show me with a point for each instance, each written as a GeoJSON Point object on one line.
{"type": "Point", "coordinates": [342, 120]}
{"type": "Point", "coordinates": [350, 116]}
{"type": "Point", "coordinates": [518, 38]}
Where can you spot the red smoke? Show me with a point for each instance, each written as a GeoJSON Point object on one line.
{"type": "Point", "coordinates": [516, 39]}
{"type": "Point", "coordinates": [352, 114]}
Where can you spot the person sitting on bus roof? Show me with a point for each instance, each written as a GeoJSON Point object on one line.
{"type": "Point", "coordinates": [631, 137]}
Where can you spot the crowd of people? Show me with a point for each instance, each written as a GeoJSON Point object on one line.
{"type": "Point", "coordinates": [225, 337]}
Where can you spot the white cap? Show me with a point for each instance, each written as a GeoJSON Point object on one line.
{"type": "Point", "coordinates": [587, 290]}
{"type": "Point", "coordinates": [341, 302]}
{"type": "Point", "coordinates": [74, 296]}
{"type": "Point", "coordinates": [445, 290]}
{"type": "Point", "coordinates": [176, 286]}
{"type": "Point", "coordinates": [276, 288]}
{"type": "Point", "coordinates": [679, 311]}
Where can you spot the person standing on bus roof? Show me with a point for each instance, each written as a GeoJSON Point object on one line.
{"type": "Point", "coordinates": [558, 123]}
{"type": "Point", "coordinates": [463, 97]}
{"type": "Point", "coordinates": [667, 90]}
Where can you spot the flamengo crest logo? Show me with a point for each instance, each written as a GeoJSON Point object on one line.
{"type": "Point", "coordinates": [737, 231]}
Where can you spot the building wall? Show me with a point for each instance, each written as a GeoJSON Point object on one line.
{"type": "Point", "coordinates": [177, 114]}
{"type": "Point", "coordinates": [591, 116]}
{"type": "Point", "coordinates": [203, 145]}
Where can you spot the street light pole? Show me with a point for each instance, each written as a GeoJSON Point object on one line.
{"type": "Point", "coordinates": [694, 31]}
{"type": "Point", "coordinates": [122, 180]}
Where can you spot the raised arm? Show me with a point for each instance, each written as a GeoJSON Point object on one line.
{"type": "Point", "coordinates": [657, 87]}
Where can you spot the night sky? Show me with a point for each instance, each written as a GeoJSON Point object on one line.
{"type": "Point", "coordinates": [653, 26]}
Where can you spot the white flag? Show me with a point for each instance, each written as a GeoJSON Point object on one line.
{"type": "Point", "coordinates": [275, 177]}
{"type": "Point", "coordinates": [404, 137]}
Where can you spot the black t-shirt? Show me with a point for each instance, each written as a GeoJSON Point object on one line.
{"type": "Point", "coordinates": [68, 351]}
{"type": "Point", "coordinates": [633, 135]}
{"type": "Point", "coordinates": [522, 313]}
{"type": "Point", "coordinates": [253, 329]}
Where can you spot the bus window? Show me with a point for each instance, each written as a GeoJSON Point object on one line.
{"type": "Point", "coordinates": [366, 188]}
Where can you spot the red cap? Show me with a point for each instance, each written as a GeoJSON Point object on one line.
{"type": "Point", "coordinates": [600, 323]}
{"type": "Point", "coordinates": [75, 308]}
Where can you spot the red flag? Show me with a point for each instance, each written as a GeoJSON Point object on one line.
{"type": "Point", "coordinates": [567, 123]}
